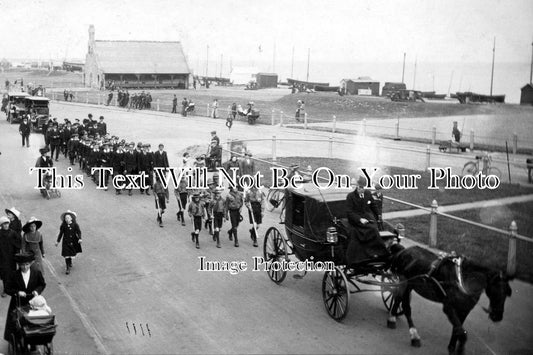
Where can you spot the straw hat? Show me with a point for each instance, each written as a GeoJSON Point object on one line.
{"type": "Point", "coordinates": [38, 224]}
{"type": "Point", "coordinates": [72, 214]}
{"type": "Point", "coordinates": [14, 211]}
{"type": "Point", "coordinates": [3, 220]}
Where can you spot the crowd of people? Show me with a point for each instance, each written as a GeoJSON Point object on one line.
{"type": "Point", "coordinates": [139, 101]}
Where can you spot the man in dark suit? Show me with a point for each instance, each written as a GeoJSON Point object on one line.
{"type": "Point", "coordinates": [160, 157]}
{"type": "Point", "coordinates": [130, 162]}
{"type": "Point", "coordinates": [363, 215]}
{"type": "Point", "coordinates": [25, 283]}
{"type": "Point", "coordinates": [101, 127]}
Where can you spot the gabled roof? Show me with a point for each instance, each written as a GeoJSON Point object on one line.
{"type": "Point", "coordinates": [528, 86]}
{"type": "Point", "coordinates": [140, 57]}
{"type": "Point", "coordinates": [361, 79]}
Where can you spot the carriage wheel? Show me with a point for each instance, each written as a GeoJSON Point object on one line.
{"type": "Point", "coordinates": [274, 199]}
{"type": "Point", "coordinates": [336, 294]}
{"type": "Point", "coordinates": [389, 292]}
{"type": "Point", "coordinates": [275, 250]}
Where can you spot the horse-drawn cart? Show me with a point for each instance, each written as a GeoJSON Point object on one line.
{"type": "Point", "coordinates": [317, 230]}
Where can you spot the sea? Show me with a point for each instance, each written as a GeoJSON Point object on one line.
{"type": "Point", "coordinates": [443, 78]}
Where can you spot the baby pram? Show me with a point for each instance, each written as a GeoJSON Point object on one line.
{"type": "Point", "coordinates": [32, 332]}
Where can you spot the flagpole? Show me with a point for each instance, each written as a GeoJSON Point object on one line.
{"type": "Point", "coordinates": [492, 74]}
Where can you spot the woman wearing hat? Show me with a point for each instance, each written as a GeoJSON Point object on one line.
{"type": "Point", "coordinates": [70, 233]}
{"type": "Point", "coordinates": [9, 246]}
{"type": "Point", "coordinates": [32, 242]}
{"type": "Point", "coordinates": [14, 220]}
{"type": "Point", "coordinates": [24, 284]}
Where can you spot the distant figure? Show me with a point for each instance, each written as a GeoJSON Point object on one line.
{"type": "Point", "coordinates": [174, 104]}
{"type": "Point", "coordinates": [215, 109]}
{"type": "Point", "coordinates": [456, 133]}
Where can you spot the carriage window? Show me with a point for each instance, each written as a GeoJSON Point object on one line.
{"type": "Point", "coordinates": [298, 211]}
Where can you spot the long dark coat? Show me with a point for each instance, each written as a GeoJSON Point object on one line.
{"type": "Point", "coordinates": [9, 245]}
{"type": "Point", "coordinates": [365, 242]}
{"type": "Point", "coordinates": [16, 284]}
{"type": "Point", "coordinates": [71, 234]}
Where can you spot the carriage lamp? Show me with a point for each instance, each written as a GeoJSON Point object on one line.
{"type": "Point", "coordinates": [331, 235]}
{"type": "Point", "coordinates": [401, 230]}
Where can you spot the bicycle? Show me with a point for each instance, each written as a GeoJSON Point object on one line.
{"type": "Point", "coordinates": [472, 167]}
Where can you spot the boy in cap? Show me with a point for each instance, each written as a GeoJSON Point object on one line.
{"type": "Point", "coordinates": [217, 208]}
{"type": "Point", "coordinates": [161, 195]}
{"type": "Point", "coordinates": [255, 202]}
{"type": "Point", "coordinates": [196, 212]}
{"type": "Point", "coordinates": [232, 211]}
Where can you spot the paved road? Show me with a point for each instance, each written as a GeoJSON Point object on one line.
{"type": "Point", "coordinates": [132, 271]}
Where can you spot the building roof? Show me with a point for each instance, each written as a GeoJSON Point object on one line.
{"type": "Point", "coordinates": [361, 79]}
{"type": "Point", "coordinates": [141, 57]}
{"type": "Point", "coordinates": [527, 86]}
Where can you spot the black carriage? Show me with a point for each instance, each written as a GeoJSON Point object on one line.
{"type": "Point", "coordinates": [317, 230]}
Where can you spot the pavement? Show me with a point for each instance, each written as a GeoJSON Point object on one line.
{"type": "Point", "coordinates": [136, 288]}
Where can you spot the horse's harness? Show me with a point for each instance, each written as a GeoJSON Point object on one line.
{"type": "Point", "coordinates": [457, 261]}
{"type": "Point", "coordinates": [435, 264]}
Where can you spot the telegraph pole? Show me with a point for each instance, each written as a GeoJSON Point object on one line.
{"type": "Point", "coordinates": [207, 60]}
{"type": "Point", "coordinates": [308, 58]}
{"type": "Point", "coordinates": [531, 71]}
{"type": "Point", "coordinates": [274, 59]}
{"type": "Point", "coordinates": [403, 70]}
{"type": "Point", "coordinates": [221, 61]}
{"type": "Point", "coordinates": [414, 77]}
{"type": "Point", "coordinates": [292, 64]}
{"type": "Point", "coordinates": [492, 74]}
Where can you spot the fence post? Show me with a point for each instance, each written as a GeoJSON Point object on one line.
{"type": "Point", "coordinates": [472, 139]}
{"type": "Point", "coordinates": [433, 135]}
{"type": "Point", "coordinates": [433, 225]}
{"type": "Point", "coordinates": [305, 120]}
{"type": "Point", "coordinates": [334, 125]}
{"type": "Point", "coordinates": [207, 114]}
{"type": "Point", "coordinates": [511, 256]}
{"type": "Point", "coordinates": [273, 148]}
{"type": "Point", "coordinates": [281, 118]}
{"type": "Point", "coordinates": [397, 126]}
{"type": "Point", "coordinates": [87, 97]}
{"type": "Point", "coordinates": [330, 149]}
{"type": "Point", "coordinates": [515, 142]}
{"type": "Point", "coordinates": [364, 127]}
{"type": "Point", "coordinates": [428, 157]}
{"type": "Point", "coordinates": [157, 104]}
{"type": "Point", "coordinates": [272, 117]}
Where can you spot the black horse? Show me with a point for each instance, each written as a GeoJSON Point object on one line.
{"type": "Point", "coordinates": [455, 282]}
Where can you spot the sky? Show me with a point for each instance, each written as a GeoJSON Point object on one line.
{"type": "Point", "coordinates": [344, 38]}
{"type": "Point", "coordinates": [342, 30]}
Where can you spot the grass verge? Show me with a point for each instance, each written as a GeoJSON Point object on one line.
{"type": "Point", "coordinates": [485, 247]}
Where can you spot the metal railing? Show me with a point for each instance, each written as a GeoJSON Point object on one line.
{"type": "Point", "coordinates": [512, 233]}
